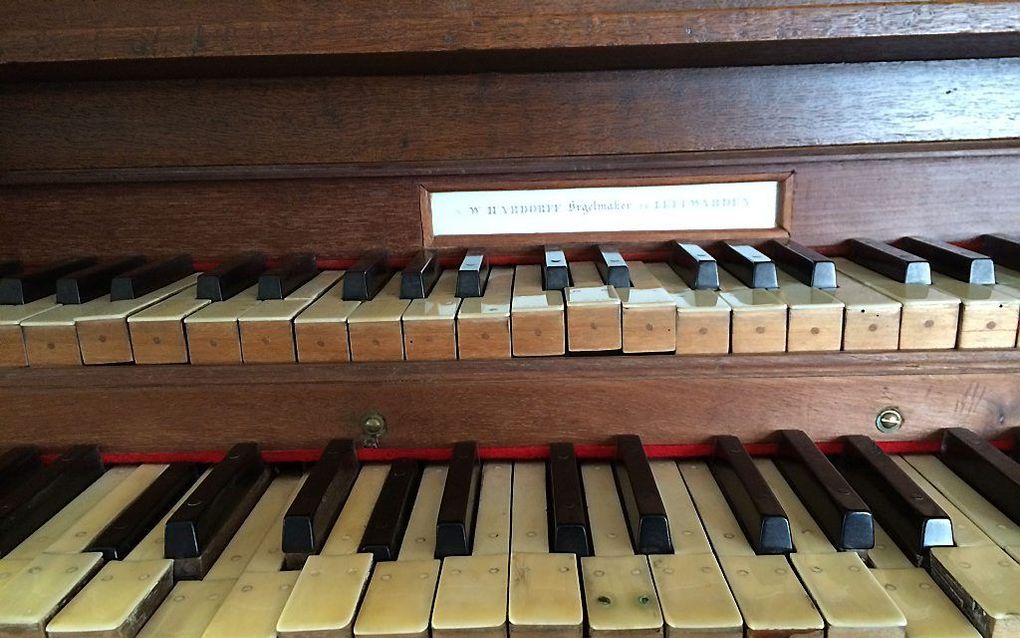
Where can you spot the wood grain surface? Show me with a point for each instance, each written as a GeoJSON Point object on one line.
{"type": "Point", "coordinates": [664, 398]}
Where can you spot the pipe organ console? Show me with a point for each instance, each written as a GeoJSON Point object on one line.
{"type": "Point", "coordinates": [586, 320]}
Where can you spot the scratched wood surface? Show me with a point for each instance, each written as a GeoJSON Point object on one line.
{"type": "Point", "coordinates": [666, 399]}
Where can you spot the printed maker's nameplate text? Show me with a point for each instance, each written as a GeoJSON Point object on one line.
{"type": "Point", "coordinates": [677, 207]}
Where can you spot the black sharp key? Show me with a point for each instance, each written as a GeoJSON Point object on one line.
{"type": "Point", "coordinates": [958, 263]}
{"type": "Point", "coordinates": [150, 277]}
{"type": "Point", "coordinates": [46, 492]}
{"type": "Point", "coordinates": [985, 468]}
{"type": "Point", "coordinates": [759, 512]}
{"type": "Point", "coordinates": [200, 528]}
{"type": "Point", "coordinates": [612, 267]}
{"type": "Point", "coordinates": [806, 265]}
{"type": "Point", "coordinates": [294, 270]}
{"type": "Point", "coordinates": [37, 283]}
{"type": "Point", "coordinates": [1003, 249]}
{"type": "Point", "coordinates": [749, 265]}
{"type": "Point", "coordinates": [695, 266]}
{"type": "Point", "coordinates": [838, 509]}
{"type": "Point", "coordinates": [555, 272]}
{"type": "Point", "coordinates": [646, 515]}
{"type": "Point", "coordinates": [898, 265]}
{"type": "Point", "coordinates": [9, 267]}
{"type": "Point", "coordinates": [230, 277]}
{"type": "Point", "coordinates": [914, 521]}
{"type": "Point", "coordinates": [318, 503]}
{"type": "Point", "coordinates": [389, 517]}
{"type": "Point", "coordinates": [366, 278]}
{"type": "Point", "coordinates": [93, 282]}
{"type": "Point", "coordinates": [472, 274]}
{"type": "Point", "coordinates": [420, 275]}
{"type": "Point", "coordinates": [16, 465]}
{"type": "Point", "coordinates": [568, 517]}
{"type": "Point", "coordinates": [136, 520]}
{"type": "Point", "coordinates": [455, 523]}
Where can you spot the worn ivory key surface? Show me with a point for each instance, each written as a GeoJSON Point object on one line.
{"type": "Point", "coordinates": [885, 554]}
{"type": "Point", "coordinates": [988, 518]}
{"type": "Point", "coordinates": [808, 538]}
{"type": "Point", "coordinates": [430, 333]}
{"type": "Point", "coordinates": [187, 609]}
{"type": "Point", "coordinates": [529, 517]}
{"type": "Point", "coordinates": [9, 567]}
{"type": "Point", "coordinates": [593, 311]}
{"type": "Point", "coordinates": [244, 545]}
{"type": "Point", "coordinates": [929, 613]}
{"type": "Point", "coordinates": [759, 317]}
{"type": "Point", "coordinates": [399, 599]}
{"type": "Point", "coordinates": [92, 333]}
{"type": "Point", "coordinates": [36, 593]}
{"type": "Point", "coordinates": [609, 533]}
{"type": "Point", "coordinates": [983, 581]}
{"type": "Point", "coordinates": [929, 316]}
{"type": "Point", "coordinates": [483, 323]}
{"type": "Point", "coordinates": [116, 602]}
{"type": "Point", "coordinates": [325, 597]}
{"type": "Point", "coordinates": [12, 342]}
{"type": "Point", "coordinates": [649, 313]}
{"type": "Point", "coordinates": [472, 596]}
{"type": "Point", "coordinates": [814, 320]}
{"type": "Point", "coordinates": [545, 596]}
{"type": "Point", "coordinates": [684, 525]}
{"type": "Point", "coordinates": [374, 327]}
{"type": "Point", "coordinates": [213, 333]}
{"type": "Point", "coordinates": [702, 317]}
{"type": "Point", "coordinates": [320, 331]}
{"type": "Point", "coordinates": [350, 526]}
{"type": "Point", "coordinates": [157, 333]}
{"type": "Point", "coordinates": [722, 527]}
{"type": "Point", "coordinates": [871, 320]}
{"type": "Point", "coordinates": [620, 596]}
{"type": "Point", "coordinates": [253, 606]}
{"type": "Point", "coordinates": [267, 331]}
{"type": "Point", "coordinates": [852, 602]}
{"type": "Point", "coordinates": [268, 556]}
{"type": "Point", "coordinates": [419, 541]}
{"type": "Point", "coordinates": [536, 316]}
{"type": "Point", "coordinates": [988, 314]}
{"type": "Point", "coordinates": [694, 596]}
{"type": "Point", "coordinates": [771, 598]}
{"type": "Point", "coordinates": [78, 536]}
{"type": "Point", "coordinates": [492, 527]}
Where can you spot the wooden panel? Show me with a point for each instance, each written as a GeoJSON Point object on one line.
{"type": "Point", "coordinates": [460, 117]}
{"type": "Point", "coordinates": [670, 399]}
{"type": "Point", "coordinates": [885, 195]}
{"type": "Point", "coordinates": [691, 32]}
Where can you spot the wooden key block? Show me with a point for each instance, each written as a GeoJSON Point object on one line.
{"type": "Point", "coordinates": [483, 323]}
{"type": "Point", "coordinates": [320, 331]}
{"type": "Point", "coordinates": [472, 597]}
{"type": "Point", "coordinates": [213, 334]}
{"type": "Point", "coordinates": [988, 315]}
{"type": "Point", "coordinates": [694, 597]}
{"type": "Point", "coordinates": [36, 593]}
{"type": "Point", "coordinates": [771, 598]}
{"type": "Point", "coordinates": [117, 602]}
{"type": "Point", "coordinates": [702, 317]}
{"type": "Point", "coordinates": [983, 581]}
{"type": "Point", "coordinates": [536, 316]}
{"type": "Point", "coordinates": [929, 613]}
{"type": "Point", "coordinates": [649, 313]}
{"type": "Point", "coordinates": [253, 606]}
{"type": "Point", "coordinates": [759, 321]}
{"type": "Point", "coordinates": [12, 341]}
{"type": "Point", "coordinates": [429, 324]}
{"type": "Point", "coordinates": [815, 320]}
{"type": "Point", "coordinates": [399, 599]}
{"type": "Point", "coordinates": [157, 333]}
{"type": "Point", "coordinates": [545, 596]}
{"type": "Point", "coordinates": [593, 319]}
{"type": "Point", "coordinates": [620, 597]}
{"type": "Point", "coordinates": [852, 602]}
{"type": "Point", "coordinates": [187, 609]}
{"type": "Point", "coordinates": [871, 319]}
{"type": "Point", "coordinates": [326, 597]}
{"type": "Point", "coordinates": [374, 328]}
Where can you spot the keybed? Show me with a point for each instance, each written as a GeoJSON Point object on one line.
{"type": "Point", "coordinates": [713, 578]}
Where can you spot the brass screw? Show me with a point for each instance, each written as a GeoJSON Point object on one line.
{"type": "Point", "coordinates": [373, 426]}
{"type": "Point", "coordinates": [889, 420]}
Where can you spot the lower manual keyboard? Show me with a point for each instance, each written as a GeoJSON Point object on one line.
{"type": "Point", "coordinates": [368, 557]}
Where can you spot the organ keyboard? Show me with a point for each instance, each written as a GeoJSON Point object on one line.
{"type": "Point", "coordinates": [598, 541]}
{"type": "Point", "coordinates": [877, 298]}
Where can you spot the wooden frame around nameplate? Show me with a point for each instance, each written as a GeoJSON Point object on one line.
{"type": "Point", "coordinates": [781, 230]}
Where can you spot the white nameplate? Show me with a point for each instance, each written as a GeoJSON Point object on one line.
{"type": "Point", "coordinates": [677, 207]}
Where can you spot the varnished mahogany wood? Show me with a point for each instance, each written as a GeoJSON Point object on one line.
{"type": "Point", "coordinates": [458, 117]}
{"type": "Point", "coordinates": [667, 399]}
{"type": "Point", "coordinates": [270, 36]}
